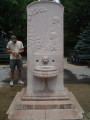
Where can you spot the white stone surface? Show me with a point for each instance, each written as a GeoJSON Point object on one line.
{"type": "Point", "coordinates": [80, 72]}
{"type": "Point", "coordinates": [45, 54]}
{"type": "Point", "coordinates": [44, 38]}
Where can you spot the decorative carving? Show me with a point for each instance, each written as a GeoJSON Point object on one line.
{"type": "Point", "coordinates": [45, 59]}
{"type": "Point", "coordinates": [45, 72]}
{"type": "Point", "coordinates": [56, 20]}
{"type": "Point", "coordinates": [34, 41]}
{"type": "Point", "coordinates": [54, 44]}
{"type": "Point", "coordinates": [36, 10]}
{"type": "Point", "coordinates": [53, 35]}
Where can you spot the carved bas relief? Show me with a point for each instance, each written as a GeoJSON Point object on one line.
{"type": "Point", "coordinates": [45, 71]}
{"type": "Point", "coordinates": [45, 38]}
{"type": "Point", "coordinates": [45, 97]}
{"type": "Point", "coordinates": [35, 11]}
{"type": "Point", "coordinates": [45, 60]}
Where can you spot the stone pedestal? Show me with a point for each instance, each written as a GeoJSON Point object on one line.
{"type": "Point", "coordinates": [59, 107]}
{"type": "Point", "coordinates": [45, 97]}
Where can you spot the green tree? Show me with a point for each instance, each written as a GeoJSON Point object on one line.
{"type": "Point", "coordinates": [13, 16]}
{"type": "Point", "coordinates": [83, 45]}
{"type": "Point", "coordinates": [76, 18]}
{"type": "Point", "coordinates": [3, 43]}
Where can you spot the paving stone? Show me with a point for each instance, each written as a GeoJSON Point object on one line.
{"type": "Point", "coordinates": [88, 115]}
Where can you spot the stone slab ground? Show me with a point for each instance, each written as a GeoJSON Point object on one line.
{"type": "Point", "coordinates": [79, 87]}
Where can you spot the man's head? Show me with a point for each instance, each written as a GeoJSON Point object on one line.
{"type": "Point", "coordinates": [13, 38]}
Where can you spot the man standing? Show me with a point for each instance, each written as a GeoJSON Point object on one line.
{"type": "Point", "coordinates": [15, 48]}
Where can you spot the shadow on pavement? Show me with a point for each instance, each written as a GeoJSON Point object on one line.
{"type": "Point", "coordinates": [24, 77]}
{"type": "Point", "coordinates": [70, 78]}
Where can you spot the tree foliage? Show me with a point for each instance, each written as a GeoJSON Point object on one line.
{"type": "Point", "coordinates": [13, 16]}
{"type": "Point", "coordinates": [83, 45]}
{"type": "Point", "coordinates": [76, 17]}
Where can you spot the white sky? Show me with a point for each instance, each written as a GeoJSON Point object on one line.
{"type": "Point", "coordinates": [56, 1]}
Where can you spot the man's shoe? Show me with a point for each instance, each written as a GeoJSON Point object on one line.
{"type": "Point", "coordinates": [11, 83]}
{"type": "Point", "coordinates": [20, 82]}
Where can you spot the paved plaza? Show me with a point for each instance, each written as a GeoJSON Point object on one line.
{"type": "Point", "coordinates": [76, 78]}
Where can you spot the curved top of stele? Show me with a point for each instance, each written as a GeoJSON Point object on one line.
{"type": "Point", "coordinates": [49, 2]}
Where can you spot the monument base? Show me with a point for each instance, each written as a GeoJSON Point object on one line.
{"type": "Point", "coordinates": [44, 108]}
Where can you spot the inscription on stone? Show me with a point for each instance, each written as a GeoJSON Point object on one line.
{"type": "Point", "coordinates": [36, 10]}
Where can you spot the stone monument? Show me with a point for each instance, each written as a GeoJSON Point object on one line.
{"type": "Point", "coordinates": [45, 97]}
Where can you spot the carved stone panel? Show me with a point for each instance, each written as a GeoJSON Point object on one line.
{"type": "Point", "coordinates": [45, 47]}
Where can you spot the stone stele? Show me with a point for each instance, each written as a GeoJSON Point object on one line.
{"type": "Point", "coordinates": [45, 97]}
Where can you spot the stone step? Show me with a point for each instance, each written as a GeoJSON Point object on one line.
{"type": "Point", "coordinates": [28, 98]}
{"type": "Point", "coordinates": [22, 105]}
{"type": "Point", "coordinates": [59, 114]}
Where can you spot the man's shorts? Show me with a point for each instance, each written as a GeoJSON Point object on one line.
{"type": "Point", "coordinates": [14, 63]}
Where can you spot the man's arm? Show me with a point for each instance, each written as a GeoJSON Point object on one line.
{"type": "Point", "coordinates": [10, 51]}
{"type": "Point", "coordinates": [14, 53]}
{"type": "Point", "coordinates": [21, 51]}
